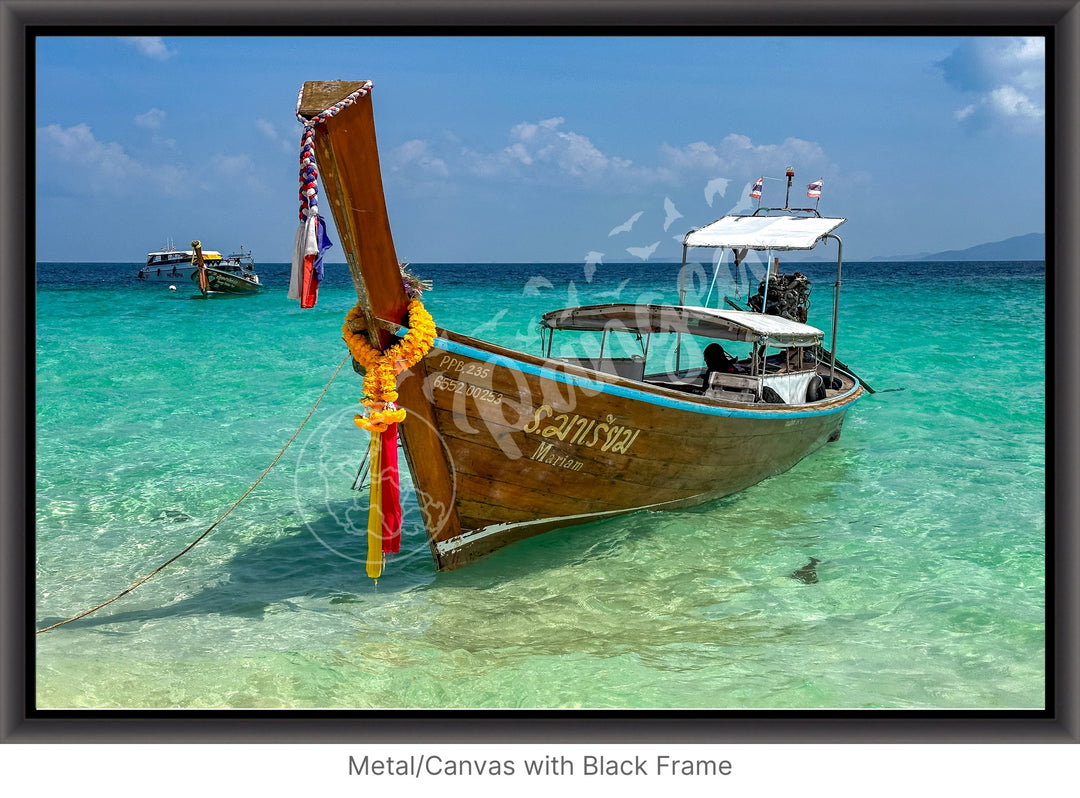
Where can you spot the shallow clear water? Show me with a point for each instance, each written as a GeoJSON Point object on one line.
{"type": "Point", "coordinates": [156, 410]}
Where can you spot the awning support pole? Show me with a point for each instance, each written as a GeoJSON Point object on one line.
{"type": "Point", "coordinates": [836, 299]}
{"type": "Point", "coordinates": [768, 269]}
{"type": "Point", "coordinates": [716, 272]}
{"type": "Point", "coordinates": [682, 278]}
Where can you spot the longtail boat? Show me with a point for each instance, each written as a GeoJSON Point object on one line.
{"type": "Point", "coordinates": [230, 275]}
{"type": "Point", "coordinates": [503, 445]}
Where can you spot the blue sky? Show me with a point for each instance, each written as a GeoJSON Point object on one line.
{"type": "Point", "coordinates": [534, 149]}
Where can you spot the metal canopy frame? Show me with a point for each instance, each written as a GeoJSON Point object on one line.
{"type": "Point", "coordinates": [739, 248]}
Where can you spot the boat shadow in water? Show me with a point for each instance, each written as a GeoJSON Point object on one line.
{"type": "Point", "coordinates": [320, 564]}
{"type": "Point", "coordinates": [317, 563]}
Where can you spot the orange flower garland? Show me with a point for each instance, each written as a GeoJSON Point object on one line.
{"type": "Point", "coordinates": [381, 368]}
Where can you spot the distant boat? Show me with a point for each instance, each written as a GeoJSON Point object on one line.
{"type": "Point", "coordinates": [169, 264]}
{"type": "Point", "coordinates": [242, 259]}
{"type": "Point", "coordinates": [504, 445]}
{"type": "Point", "coordinates": [232, 275]}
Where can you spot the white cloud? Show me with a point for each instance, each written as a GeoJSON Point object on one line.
{"type": "Point", "coordinates": [239, 171]}
{"type": "Point", "coordinates": [1006, 75]}
{"type": "Point", "coordinates": [150, 46]}
{"type": "Point", "coordinates": [77, 144]}
{"type": "Point", "coordinates": [151, 120]}
{"type": "Point", "coordinates": [234, 165]}
{"type": "Point", "coordinates": [573, 154]}
{"type": "Point", "coordinates": [697, 155]}
{"type": "Point", "coordinates": [540, 149]}
{"type": "Point", "coordinates": [91, 166]}
{"type": "Point", "coordinates": [416, 155]}
{"type": "Point", "coordinates": [284, 142]}
{"type": "Point", "coordinates": [1022, 62]}
{"type": "Point", "coordinates": [1009, 101]}
{"type": "Point", "coordinates": [545, 152]}
{"type": "Point", "coordinates": [737, 157]}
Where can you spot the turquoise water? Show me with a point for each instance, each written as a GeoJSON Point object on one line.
{"type": "Point", "coordinates": [156, 410]}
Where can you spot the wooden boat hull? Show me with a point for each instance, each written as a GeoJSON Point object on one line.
{"type": "Point", "coordinates": [534, 444]}
{"type": "Point", "coordinates": [219, 282]}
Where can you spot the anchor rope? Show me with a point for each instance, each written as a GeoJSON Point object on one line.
{"type": "Point", "coordinates": [221, 518]}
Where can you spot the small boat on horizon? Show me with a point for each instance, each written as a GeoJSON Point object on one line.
{"type": "Point", "coordinates": [232, 275]}
{"type": "Point", "coordinates": [655, 407]}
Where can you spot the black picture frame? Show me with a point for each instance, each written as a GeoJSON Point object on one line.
{"type": "Point", "coordinates": [21, 22]}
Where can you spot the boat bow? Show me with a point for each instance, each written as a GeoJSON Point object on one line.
{"type": "Point", "coordinates": [348, 163]}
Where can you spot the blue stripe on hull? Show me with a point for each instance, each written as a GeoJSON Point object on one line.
{"type": "Point", "coordinates": [631, 393]}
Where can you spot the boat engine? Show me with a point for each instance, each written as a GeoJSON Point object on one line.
{"type": "Point", "coordinates": [789, 296]}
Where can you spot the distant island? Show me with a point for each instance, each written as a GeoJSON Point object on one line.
{"type": "Point", "coordinates": [1027, 247]}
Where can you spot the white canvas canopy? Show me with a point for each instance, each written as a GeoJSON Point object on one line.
{"type": "Point", "coordinates": [732, 325]}
{"type": "Point", "coordinates": [763, 232]}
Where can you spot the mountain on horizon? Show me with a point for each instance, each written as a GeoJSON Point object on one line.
{"type": "Point", "coordinates": [1026, 247]}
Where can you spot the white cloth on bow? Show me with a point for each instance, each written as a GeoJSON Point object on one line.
{"type": "Point", "coordinates": [306, 243]}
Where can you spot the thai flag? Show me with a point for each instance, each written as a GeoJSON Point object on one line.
{"type": "Point", "coordinates": [813, 191]}
{"type": "Point", "coordinates": [755, 192]}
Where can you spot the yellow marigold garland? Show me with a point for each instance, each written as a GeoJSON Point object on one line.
{"type": "Point", "coordinates": [381, 368]}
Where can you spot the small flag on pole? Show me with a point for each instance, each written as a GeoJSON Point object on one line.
{"type": "Point", "coordinates": [755, 192]}
{"type": "Point", "coordinates": [813, 191]}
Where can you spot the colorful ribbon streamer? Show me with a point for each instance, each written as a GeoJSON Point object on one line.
{"type": "Point", "coordinates": [375, 509]}
{"type": "Point", "coordinates": [384, 509]}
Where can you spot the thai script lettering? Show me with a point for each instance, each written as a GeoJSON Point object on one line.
{"type": "Point", "coordinates": [578, 430]}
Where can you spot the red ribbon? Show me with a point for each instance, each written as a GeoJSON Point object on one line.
{"type": "Point", "coordinates": [391, 497]}
{"type": "Point", "coordinates": [309, 286]}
